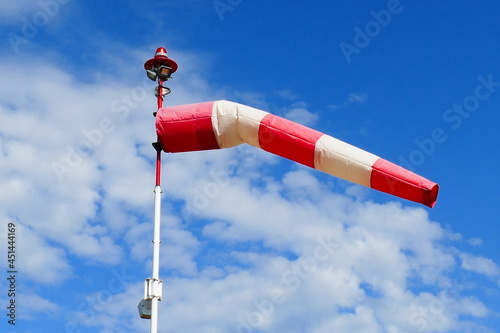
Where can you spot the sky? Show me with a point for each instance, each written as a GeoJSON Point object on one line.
{"type": "Point", "coordinates": [251, 242]}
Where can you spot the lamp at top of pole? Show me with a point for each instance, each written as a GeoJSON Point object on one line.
{"type": "Point", "coordinates": [160, 68]}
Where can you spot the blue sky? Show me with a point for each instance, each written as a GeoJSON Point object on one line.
{"type": "Point", "coordinates": [250, 242]}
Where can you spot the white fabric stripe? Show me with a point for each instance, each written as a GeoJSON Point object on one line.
{"type": "Point", "coordinates": [343, 160]}
{"type": "Point", "coordinates": [235, 124]}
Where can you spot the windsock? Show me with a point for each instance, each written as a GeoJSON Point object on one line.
{"type": "Point", "coordinates": [223, 124]}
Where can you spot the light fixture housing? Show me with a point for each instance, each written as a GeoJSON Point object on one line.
{"type": "Point", "coordinates": [164, 72]}
{"type": "Point", "coordinates": [151, 74]}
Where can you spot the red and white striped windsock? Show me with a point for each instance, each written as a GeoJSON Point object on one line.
{"type": "Point", "coordinates": [223, 124]}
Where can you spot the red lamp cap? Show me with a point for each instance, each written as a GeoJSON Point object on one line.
{"type": "Point", "coordinates": [161, 52]}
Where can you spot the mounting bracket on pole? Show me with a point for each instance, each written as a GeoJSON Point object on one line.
{"type": "Point", "coordinates": [157, 146]}
{"type": "Point", "coordinates": [153, 288]}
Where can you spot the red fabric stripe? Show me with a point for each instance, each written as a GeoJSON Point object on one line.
{"type": "Point", "coordinates": [288, 139]}
{"type": "Point", "coordinates": [186, 128]}
{"type": "Point", "coordinates": [393, 179]}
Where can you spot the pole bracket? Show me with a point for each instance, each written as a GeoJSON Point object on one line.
{"type": "Point", "coordinates": [153, 288]}
{"type": "Point", "coordinates": [157, 146]}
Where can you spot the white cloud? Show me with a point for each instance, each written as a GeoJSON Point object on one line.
{"type": "Point", "coordinates": [479, 265]}
{"type": "Point", "coordinates": [375, 250]}
{"type": "Point", "coordinates": [355, 98]}
{"type": "Point", "coordinates": [299, 113]}
{"type": "Point", "coordinates": [475, 241]}
{"type": "Point", "coordinates": [39, 261]}
{"type": "Point", "coordinates": [362, 319]}
{"type": "Point", "coordinates": [287, 94]}
{"type": "Point", "coordinates": [180, 248]}
{"type": "Point", "coordinates": [15, 9]}
{"type": "Point", "coordinates": [39, 127]}
{"type": "Point", "coordinates": [33, 305]}
{"type": "Point", "coordinates": [352, 99]}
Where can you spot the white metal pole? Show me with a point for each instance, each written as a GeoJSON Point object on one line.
{"type": "Point", "coordinates": [156, 289]}
{"type": "Point", "coordinates": [155, 283]}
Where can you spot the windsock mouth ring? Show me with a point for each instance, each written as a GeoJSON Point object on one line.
{"type": "Point", "coordinates": [431, 197]}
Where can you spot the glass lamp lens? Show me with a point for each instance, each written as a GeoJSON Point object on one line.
{"type": "Point", "coordinates": [164, 72]}
{"type": "Point", "coordinates": [151, 75]}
